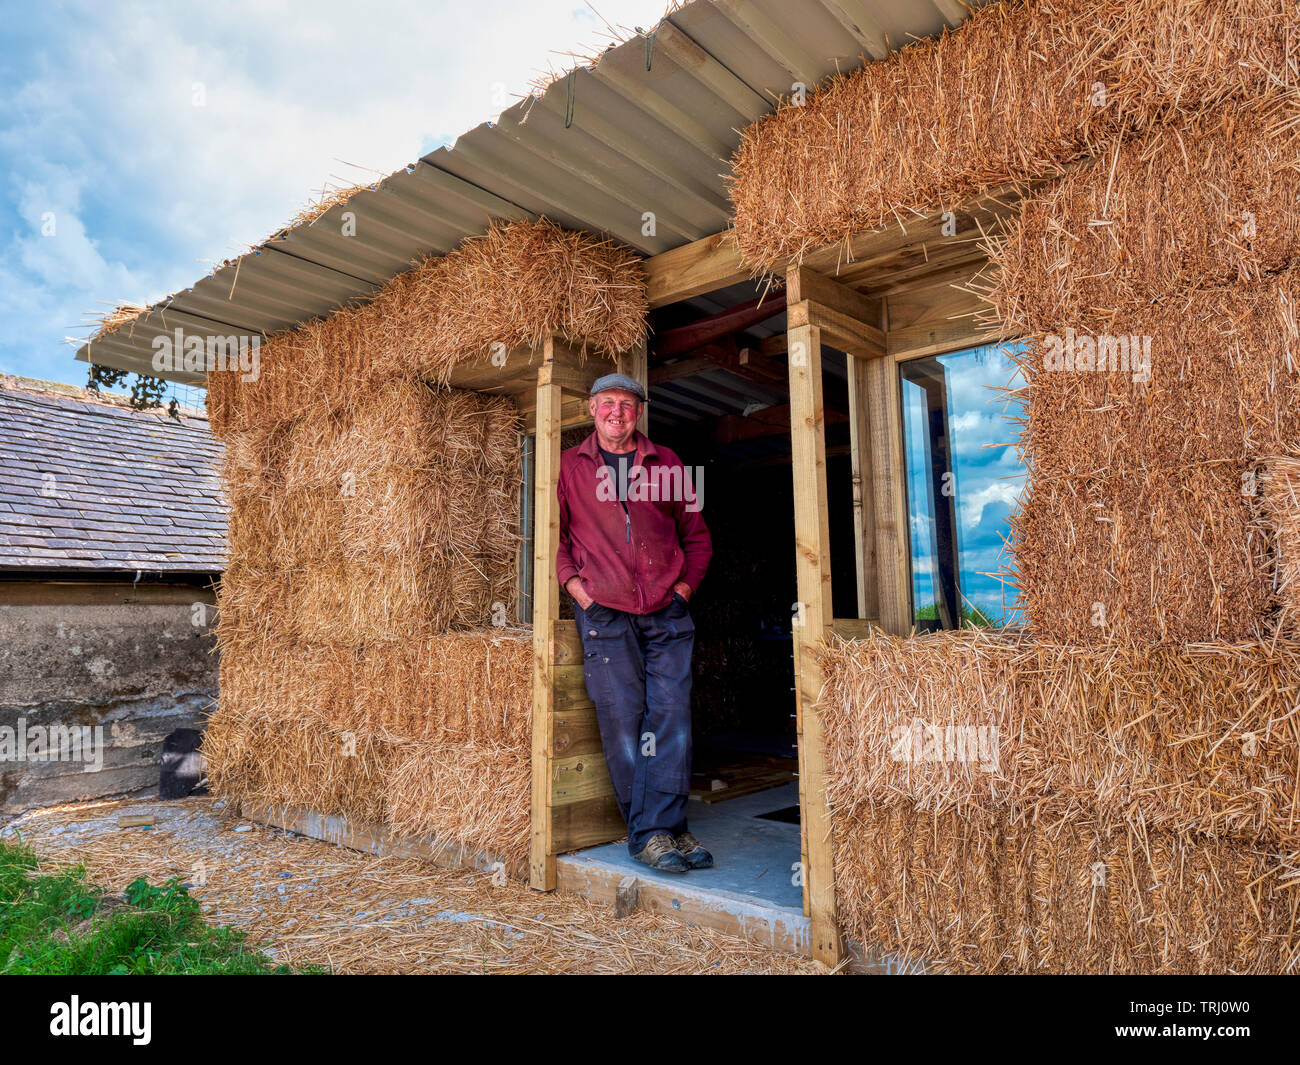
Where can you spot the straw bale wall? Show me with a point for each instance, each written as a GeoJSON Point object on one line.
{"type": "Point", "coordinates": [1124, 811]}
{"type": "Point", "coordinates": [361, 674]}
{"type": "Point", "coordinates": [369, 664]}
{"type": "Point", "coordinates": [1115, 788]}
{"type": "Point", "coordinates": [1017, 93]}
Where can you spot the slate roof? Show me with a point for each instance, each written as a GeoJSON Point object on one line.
{"type": "Point", "coordinates": [88, 483]}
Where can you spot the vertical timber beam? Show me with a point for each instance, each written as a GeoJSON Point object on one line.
{"type": "Point", "coordinates": [864, 511]}
{"type": "Point", "coordinates": [886, 443]}
{"type": "Point", "coordinates": [546, 609]}
{"type": "Point", "coordinates": [812, 564]}
{"type": "Point", "coordinates": [637, 366]}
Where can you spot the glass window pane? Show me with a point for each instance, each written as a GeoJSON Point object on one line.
{"type": "Point", "coordinates": [964, 476]}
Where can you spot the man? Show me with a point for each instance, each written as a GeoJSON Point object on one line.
{"type": "Point", "coordinates": [633, 549]}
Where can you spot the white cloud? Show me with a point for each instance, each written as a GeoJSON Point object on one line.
{"type": "Point", "coordinates": [100, 126]}
{"type": "Point", "coordinates": [973, 503]}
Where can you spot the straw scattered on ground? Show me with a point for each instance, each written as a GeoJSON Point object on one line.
{"type": "Point", "coordinates": [312, 903]}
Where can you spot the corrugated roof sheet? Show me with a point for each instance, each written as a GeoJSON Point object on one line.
{"type": "Point", "coordinates": [93, 486]}
{"type": "Point", "coordinates": [638, 140]}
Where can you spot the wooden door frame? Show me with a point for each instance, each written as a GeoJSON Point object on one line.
{"type": "Point", "coordinates": [817, 307]}
{"type": "Point", "coordinates": [572, 800]}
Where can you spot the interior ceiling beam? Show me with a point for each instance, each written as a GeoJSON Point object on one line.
{"type": "Point", "coordinates": [714, 327]}
{"type": "Point", "coordinates": [747, 363]}
{"type": "Point", "coordinates": [770, 421]}
{"type": "Point", "coordinates": [673, 371]}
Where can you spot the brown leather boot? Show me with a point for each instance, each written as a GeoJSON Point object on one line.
{"type": "Point", "coordinates": [693, 851]}
{"type": "Point", "coordinates": [660, 853]}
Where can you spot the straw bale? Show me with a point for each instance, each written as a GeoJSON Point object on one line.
{"type": "Point", "coordinates": [475, 795]}
{"type": "Point", "coordinates": [1144, 493]}
{"type": "Point", "coordinates": [1214, 202]}
{"type": "Point", "coordinates": [514, 285]}
{"type": "Point", "coordinates": [1281, 504]}
{"type": "Point", "coordinates": [1009, 97]}
{"type": "Point", "coordinates": [432, 739]}
{"type": "Point", "coordinates": [1196, 739]}
{"type": "Point", "coordinates": [1129, 558]}
{"type": "Point", "coordinates": [259, 751]}
{"type": "Point", "coordinates": [1224, 383]}
{"type": "Point", "coordinates": [461, 687]}
{"type": "Point", "coordinates": [397, 516]}
{"type": "Point", "coordinates": [975, 891]}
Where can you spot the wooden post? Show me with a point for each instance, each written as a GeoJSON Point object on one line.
{"type": "Point", "coordinates": [812, 565]}
{"type": "Point", "coordinates": [864, 519]}
{"type": "Point", "coordinates": [546, 609]}
{"type": "Point", "coordinates": [893, 570]}
{"type": "Point", "coordinates": [637, 366]}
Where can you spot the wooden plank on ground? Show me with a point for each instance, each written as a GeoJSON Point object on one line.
{"type": "Point", "coordinates": [374, 839]}
{"type": "Point", "coordinates": [771, 926]}
{"type": "Point", "coordinates": [745, 786]}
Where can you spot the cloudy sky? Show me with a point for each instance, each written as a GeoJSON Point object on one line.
{"type": "Point", "coordinates": [142, 142]}
{"type": "Point", "coordinates": [989, 477]}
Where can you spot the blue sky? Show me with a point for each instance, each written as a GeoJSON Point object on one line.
{"type": "Point", "coordinates": [989, 477]}
{"type": "Point", "coordinates": [100, 134]}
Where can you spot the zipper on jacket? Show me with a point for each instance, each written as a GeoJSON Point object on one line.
{"type": "Point", "coordinates": [627, 518]}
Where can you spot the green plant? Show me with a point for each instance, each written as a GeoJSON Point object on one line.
{"type": "Point", "coordinates": [61, 923]}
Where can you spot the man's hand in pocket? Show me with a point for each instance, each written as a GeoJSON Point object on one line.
{"type": "Point", "coordinates": [574, 588]}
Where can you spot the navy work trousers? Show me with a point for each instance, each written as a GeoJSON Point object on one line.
{"type": "Point", "coordinates": [638, 673]}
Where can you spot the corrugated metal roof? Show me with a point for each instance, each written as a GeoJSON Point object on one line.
{"type": "Point", "coordinates": [639, 140]}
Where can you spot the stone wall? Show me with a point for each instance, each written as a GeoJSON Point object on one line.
{"type": "Point", "coordinates": [99, 674]}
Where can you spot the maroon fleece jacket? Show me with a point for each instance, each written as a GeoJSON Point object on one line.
{"type": "Point", "coordinates": [630, 561]}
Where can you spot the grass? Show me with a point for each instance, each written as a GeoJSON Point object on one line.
{"type": "Point", "coordinates": [970, 618]}
{"type": "Point", "coordinates": [60, 923]}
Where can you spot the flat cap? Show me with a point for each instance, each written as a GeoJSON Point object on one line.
{"type": "Point", "coordinates": [619, 380]}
